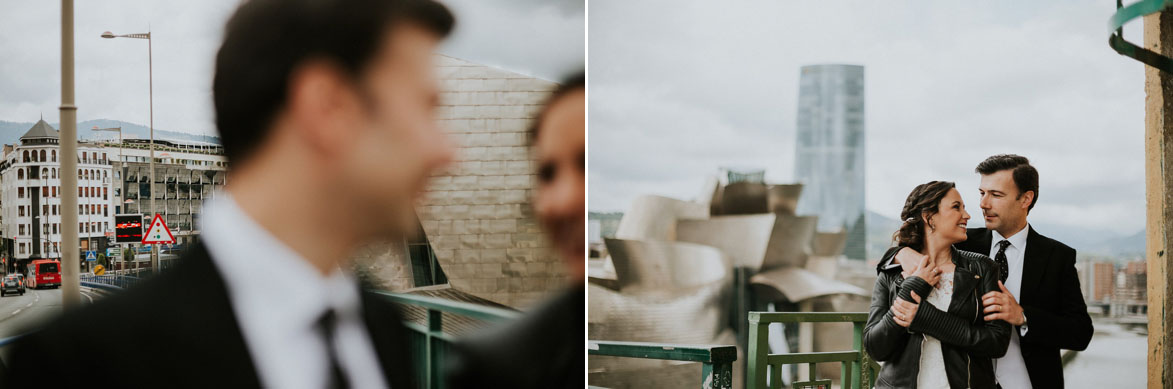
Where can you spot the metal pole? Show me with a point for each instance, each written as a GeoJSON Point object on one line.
{"type": "Point", "coordinates": [154, 211]}
{"type": "Point", "coordinates": [70, 283]}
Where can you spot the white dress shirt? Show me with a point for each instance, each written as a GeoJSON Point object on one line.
{"type": "Point", "coordinates": [278, 298]}
{"type": "Point", "coordinates": [1011, 368]}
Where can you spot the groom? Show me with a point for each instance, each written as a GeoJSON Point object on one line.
{"type": "Point", "coordinates": [1039, 294]}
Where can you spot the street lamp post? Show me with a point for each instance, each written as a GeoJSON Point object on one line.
{"type": "Point", "coordinates": [151, 87]}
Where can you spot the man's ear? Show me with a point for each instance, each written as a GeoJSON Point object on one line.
{"type": "Point", "coordinates": [323, 106]}
{"type": "Point", "coordinates": [1028, 198]}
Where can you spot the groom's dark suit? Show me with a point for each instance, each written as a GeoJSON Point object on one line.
{"type": "Point", "coordinates": [176, 330]}
{"type": "Point", "coordinates": [1051, 299]}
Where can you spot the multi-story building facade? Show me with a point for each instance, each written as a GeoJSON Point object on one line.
{"type": "Point", "coordinates": [830, 151]}
{"type": "Point", "coordinates": [30, 195]}
{"type": "Point", "coordinates": [113, 179]}
{"type": "Point", "coordinates": [186, 175]}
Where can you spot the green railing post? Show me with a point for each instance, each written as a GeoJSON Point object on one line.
{"type": "Point", "coordinates": [758, 337]}
{"type": "Point", "coordinates": [855, 365]}
{"type": "Point", "coordinates": [857, 344]}
{"type": "Point", "coordinates": [434, 327]}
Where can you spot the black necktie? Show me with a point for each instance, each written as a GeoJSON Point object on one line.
{"type": "Point", "coordinates": [1000, 258]}
{"type": "Point", "coordinates": [326, 326]}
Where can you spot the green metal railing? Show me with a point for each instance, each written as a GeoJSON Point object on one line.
{"type": "Point", "coordinates": [858, 370]}
{"type": "Point", "coordinates": [716, 360]}
{"type": "Point", "coordinates": [428, 342]}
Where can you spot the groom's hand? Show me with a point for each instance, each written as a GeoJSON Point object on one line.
{"type": "Point", "coordinates": [909, 260]}
{"type": "Point", "coordinates": [1003, 306]}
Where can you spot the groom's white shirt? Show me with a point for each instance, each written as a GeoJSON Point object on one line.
{"type": "Point", "coordinates": [1011, 368]}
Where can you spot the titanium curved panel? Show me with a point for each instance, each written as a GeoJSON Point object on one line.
{"type": "Point", "coordinates": [783, 198]}
{"type": "Point", "coordinates": [743, 238]}
{"type": "Point", "coordinates": [744, 198]}
{"type": "Point", "coordinates": [654, 217]}
{"type": "Point", "coordinates": [799, 284]}
{"type": "Point", "coordinates": [828, 244]}
{"type": "Point", "coordinates": [660, 266]}
{"type": "Point", "coordinates": [790, 241]}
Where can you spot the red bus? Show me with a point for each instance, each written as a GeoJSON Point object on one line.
{"type": "Point", "coordinates": [44, 272]}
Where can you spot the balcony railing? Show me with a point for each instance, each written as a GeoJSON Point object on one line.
{"type": "Point", "coordinates": [429, 343]}
{"type": "Point", "coordinates": [858, 370]}
{"type": "Point", "coordinates": [716, 360]}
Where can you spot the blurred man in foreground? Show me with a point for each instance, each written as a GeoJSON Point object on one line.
{"type": "Point", "coordinates": [545, 348]}
{"type": "Point", "coordinates": [325, 109]}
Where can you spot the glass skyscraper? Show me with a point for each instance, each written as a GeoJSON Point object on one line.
{"type": "Point", "coordinates": [830, 151]}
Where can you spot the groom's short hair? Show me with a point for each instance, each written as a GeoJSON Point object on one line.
{"type": "Point", "coordinates": [1026, 178]}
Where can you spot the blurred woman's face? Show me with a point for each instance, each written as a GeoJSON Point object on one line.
{"type": "Point", "coordinates": [950, 221]}
{"type": "Point", "coordinates": [560, 201]}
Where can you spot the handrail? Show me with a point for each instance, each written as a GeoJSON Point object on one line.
{"type": "Point", "coordinates": [429, 343]}
{"type": "Point", "coordinates": [858, 369]}
{"type": "Point", "coordinates": [716, 360]}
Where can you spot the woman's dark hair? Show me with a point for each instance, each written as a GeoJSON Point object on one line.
{"type": "Point", "coordinates": [573, 83]}
{"type": "Point", "coordinates": [922, 203]}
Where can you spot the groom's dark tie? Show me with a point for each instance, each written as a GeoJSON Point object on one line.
{"type": "Point", "coordinates": [1000, 258]}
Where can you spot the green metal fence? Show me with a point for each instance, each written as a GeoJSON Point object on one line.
{"type": "Point", "coordinates": [428, 342]}
{"type": "Point", "coordinates": [716, 360]}
{"type": "Point", "coordinates": [858, 370]}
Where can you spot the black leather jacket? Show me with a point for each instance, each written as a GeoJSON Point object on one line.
{"type": "Point", "coordinates": [968, 342]}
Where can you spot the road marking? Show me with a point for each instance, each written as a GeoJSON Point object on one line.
{"type": "Point", "coordinates": [88, 296]}
{"type": "Point", "coordinates": [28, 305]}
{"type": "Point", "coordinates": [16, 312]}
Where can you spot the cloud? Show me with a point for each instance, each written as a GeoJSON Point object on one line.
{"type": "Point", "coordinates": [946, 85]}
{"type": "Point", "coordinates": [539, 38]}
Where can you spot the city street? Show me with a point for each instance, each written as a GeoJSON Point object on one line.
{"type": "Point", "coordinates": [20, 313]}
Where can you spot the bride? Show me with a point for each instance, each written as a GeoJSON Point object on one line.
{"type": "Point", "coordinates": [925, 324]}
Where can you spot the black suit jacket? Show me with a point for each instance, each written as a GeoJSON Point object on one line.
{"type": "Point", "coordinates": [175, 330]}
{"type": "Point", "coordinates": [1051, 299]}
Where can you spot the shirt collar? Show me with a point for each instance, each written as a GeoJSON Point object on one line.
{"type": "Point", "coordinates": [1018, 240]}
{"type": "Point", "coordinates": [267, 276]}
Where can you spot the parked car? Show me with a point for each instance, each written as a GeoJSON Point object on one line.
{"type": "Point", "coordinates": [11, 285]}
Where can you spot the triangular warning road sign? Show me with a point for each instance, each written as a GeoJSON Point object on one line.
{"type": "Point", "coordinates": [158, 233]}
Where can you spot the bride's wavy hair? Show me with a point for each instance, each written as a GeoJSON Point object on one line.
{"type": "Point", "coordinates": [922, 204]}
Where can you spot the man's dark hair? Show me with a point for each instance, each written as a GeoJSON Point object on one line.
{"type": "Point", "coordinates": [1026, 178]}
{"type": "Point", "coordinates": [265, 40]}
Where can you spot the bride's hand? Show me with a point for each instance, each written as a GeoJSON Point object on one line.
{"type": "Point", "coordinates": [927, 271]}
{"type": "Point", "coordinates": [903, 311]}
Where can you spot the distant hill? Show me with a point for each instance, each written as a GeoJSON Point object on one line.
{"type": "Point", "coordinates": [10, 132]}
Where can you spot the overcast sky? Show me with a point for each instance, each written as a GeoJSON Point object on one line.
{"type": "Point", "coordinates": [680, 88]}
{"type": "Point", "coordinates": [540, 38]}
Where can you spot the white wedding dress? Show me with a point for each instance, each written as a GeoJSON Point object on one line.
{"type": "Point", "coordinates": [932, 361]}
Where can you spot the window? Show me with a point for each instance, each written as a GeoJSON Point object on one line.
{"type": "Point", "coordinates": [21, 210]}
{"type": "Point", "coordinates": [45, 209]}
{"type": "Point", "coordinates": [54, 209]}
{"type": "Point", "coordinates": [22, 250]}
{"type": "Point", "coordinates": [54, 170]}
{"type": "Point", "coordinates": [20, 173]}
{"type": "Point", "coordinates": [20, 192]}
{"type": "Point", "coordinates": [46, 244]}
{"type": "Point", "coordinates": [43, 155]}
{"type": "Point", "coordinates": [55, 229]}
{"type": "Point", "coordinates": [44, 173]}
{"type": "Point", "coordinates": [54, 157]}
{"type": "Point", "coordinates": [86, 174]}
{"type": "Point", "coordinates": [44, 191]}
{"type": "Point", "coordinates": [26, 159]}
{"type": "Point", "coordinates": [22, 229]}
{"type": "Point", "coordinates": [56, 247]}
{"type": "Point", "coordinates": [105, 191]}
{"type": "Point", "coordinates": [54, 191]}
{"type": "Point", "coordinates": [425, 269]}
{"type": "Point", "coordinates": [105, 210]}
